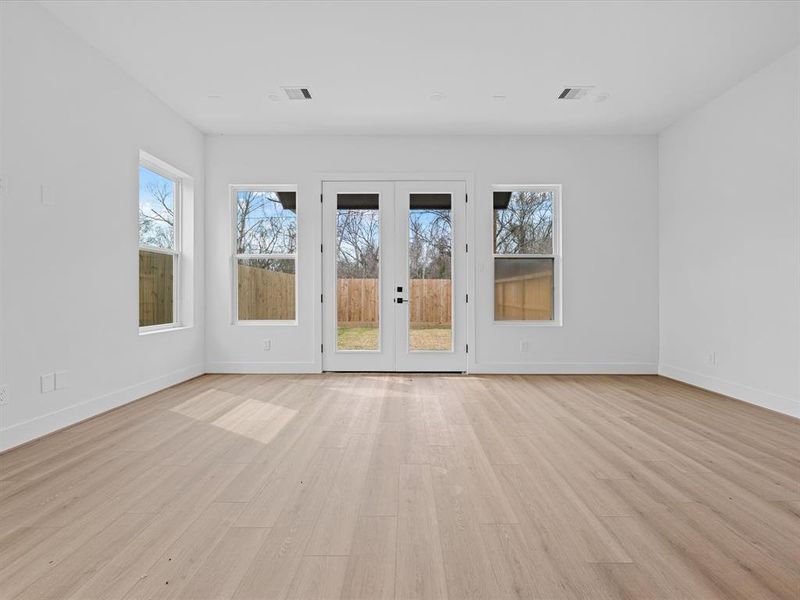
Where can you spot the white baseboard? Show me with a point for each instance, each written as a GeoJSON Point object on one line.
{"type": "Point", "coordinates": [263, 367]}
{"type": "Point", "coordinates": [781, 404]}
{"type": "Point", "coordinates": [29, 430]}
{"type": "Point", "coordinates": [557, 368]}
{"type": "Point", "coordinates": [34, 428]}
{"type": "Point", "coordinates": [480, 368]}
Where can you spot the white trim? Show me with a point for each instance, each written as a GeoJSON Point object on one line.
{"type": "Point", "coordinates": [383, 357]}
{"type": "Point", "coordinates": [233, 190]}
{"type": "Point", "coordinates": [390, 176]}
{"type": "Point", "coordinates": [565, 368]}
{"type": "Point", "coordinates": [178, 178]}
{"type": "Point", "coordinates": [161, 167]}
{"type": "Point", "coordinates": [762, 398]}
{"type": "Point", "coordinates": [467, 177]}
{"type": "Point", "coordinates": [151, 329]}
{"type": "Point", "coordinates": [557, 254]}
{"type": "Point", "coordinates": [398, 182]}
{"type": "Point", "coordinates": [263, 187]}
{"type": "Point", "coordinates": [263, 367]}
{"type": "Point", "coordinates": [51, 422]}
{"type": "Point", "coordinates": [454, 359]}
{"type": "Point", "coordinates": [156, 250]}
{"type": "Point", "coordinates": [530, 323]}
{"type": "Point", "coordinates": [271, 323]}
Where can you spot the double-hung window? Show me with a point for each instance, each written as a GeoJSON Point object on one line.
{"type": "Point", "coordinates": [265, 254]}
{"type": "Point", "coordinates": [159, 247]}
{"type": "Point", "coordinates": [527, 253]}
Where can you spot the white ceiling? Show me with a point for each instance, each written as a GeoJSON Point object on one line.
{"type": "Point", "coordinates": [373, 67]}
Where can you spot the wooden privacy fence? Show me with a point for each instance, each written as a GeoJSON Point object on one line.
{"type": "Point", "coordinates": [430, 301]}
{"type": "Point", "coordinates": [270, 295]}
{"type": "Point", "coordinates": [265, 295]}
{"type": "Point", "coordinates": [155, 288]}
{"type": "Point", "coordinates": [527, 297]}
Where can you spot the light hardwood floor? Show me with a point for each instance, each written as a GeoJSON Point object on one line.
{"type": "Point", "coordinates": [397, 486]}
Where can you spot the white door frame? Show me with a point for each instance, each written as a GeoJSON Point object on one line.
{"type": "Point", "coordinates": [383, 357]}
{"type": "Point", "coordinates": [454, 359]}
{"type": "Point", "coordinates": [468, 180]}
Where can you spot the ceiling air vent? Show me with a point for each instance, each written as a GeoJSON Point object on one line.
{"type": "Point", "coordinates": [574, 92]}
{"type": "Point", "coordinates": [297, 93]}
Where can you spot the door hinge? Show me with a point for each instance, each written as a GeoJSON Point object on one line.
{"type": "Point", "coordinates": [466, 198]}
{"type": "Point", "coordinates": [321, 348]}
{"type": "Point", "coordinates": [320, 298]}
{"type": "Point", "coordinates": [467, 348]}
{"type": "Point", "coordinates": [467, 247]}
{"type": "Point", "coordinates": [467, 298]}
{"type": "Point", "coordinates": [320, 198]}
{"type": "Point", "coordinates": [320, 247]}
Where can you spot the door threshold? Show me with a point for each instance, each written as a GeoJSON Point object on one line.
{"type": "Point", "coordinates": [361, 371]}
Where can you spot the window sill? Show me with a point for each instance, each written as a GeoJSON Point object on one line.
{"type": "Point", "coordinates": [528, 323]}
{"type": "Point", "coordinates": [265, 323]}
{"type": "Point", "coordinates": [149, 331]}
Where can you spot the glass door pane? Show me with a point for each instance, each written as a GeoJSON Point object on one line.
{"type": "Point", "coordinates": [430, 272]}
{"type": "Point", "coordinates": [358, 294]}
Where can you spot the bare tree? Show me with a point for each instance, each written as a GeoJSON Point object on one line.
{"type": "Point", "coordinates": [525, 226]}
{"type": "Point", "coordinates": [358, 244]}
{"type": "Point", "coordinates": [263, 225]}
{"type": "Point", "coordinates": [157, 222]}
{"type": "Point", "coordinates": [430, 244]}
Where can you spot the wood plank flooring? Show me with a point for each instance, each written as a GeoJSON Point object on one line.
{"type": "Point", "coordinates": [362, 486]}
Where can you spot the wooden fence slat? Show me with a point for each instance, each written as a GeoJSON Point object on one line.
{"type": "Point", "coordinates": [270, 295]}
{"type": "Point", "coordinates": [155, 288]}
{"type": "Point", "coordinates": [524, 298]}
{"type": "Point", "coordinates": [265, 295]}
{"type": "Point", "coordinates": [429, 301]}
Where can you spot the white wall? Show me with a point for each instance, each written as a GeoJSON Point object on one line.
{"type": "Point", "coordinates": [74, 123]}
{"type": "Point", "coordinates": [730, 241]}
{"type": "Point", "coordinates": [610, 244]}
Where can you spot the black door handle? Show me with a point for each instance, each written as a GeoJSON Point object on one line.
{"type": "Point", "coordinates": [399, 300]}
{"type": "Point", "coordinates": [399, 289]}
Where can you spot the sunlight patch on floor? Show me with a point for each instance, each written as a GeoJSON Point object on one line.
{"type": "Point", "coordinates": [255, 419]}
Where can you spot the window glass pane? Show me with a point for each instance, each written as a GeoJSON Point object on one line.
{"type": "Point", "coordinates": [523, 222]}
{"type": "Point", "coordinates": [357, 272]}
{"type": "Point", "coordinates": [523, 289]}
{"type": "Point", "coordinates": [156, 289]}
{"type": "Point", "coordinates": [430, 251]}
{"type": "Point", "coordinates": [156, 210]}
{"type": "Point", "coordinates": [266, 289]}
{"type": "Point", "coordinates": [266, 222]}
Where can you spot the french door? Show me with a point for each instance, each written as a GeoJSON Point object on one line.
{"type": "Point", "coordinates": [394, 266]}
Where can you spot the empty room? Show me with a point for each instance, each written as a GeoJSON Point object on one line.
{"type": "Point", "coordinates": [422, 300]}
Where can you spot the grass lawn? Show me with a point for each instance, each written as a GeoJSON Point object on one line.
{"type": "Point", "coordinates": [357, 338]}
{"type": "Point", "coordinates": [366, 338]}
{"type": "Point", "coordinates": [431, 338]}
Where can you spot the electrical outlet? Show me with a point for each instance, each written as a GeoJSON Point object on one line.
{"type": "Point", "coordinates": [48, 199]}
{"type": "Point", "coordinates": [3, 394]}
{"type": "Point", "coordinates": [524, 346]}
{"type": "Point", "coordinates": [267, 345]}
{"type": "Point", "coordinates": [62, 380]}
{"type": "Point", "coordinates": [48, 383]}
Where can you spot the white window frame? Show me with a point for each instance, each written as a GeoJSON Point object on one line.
{"type": "Point", "coordinates": [262, 187]}
{"type": "Point", "coordinates": [557, 254]}
{"type": "Point", "coordinates": [161, 168]}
